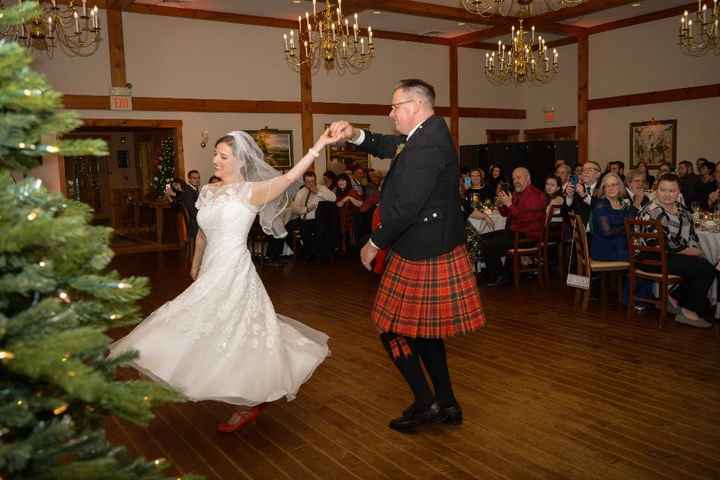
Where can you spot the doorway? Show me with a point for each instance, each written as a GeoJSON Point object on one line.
{"type": "Point", "coordinates": [119, 187]}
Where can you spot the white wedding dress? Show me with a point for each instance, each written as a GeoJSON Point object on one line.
{"type": "Point", "coordinates": [221, 339]}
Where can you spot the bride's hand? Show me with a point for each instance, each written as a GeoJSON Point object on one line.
{"type": "Point", "coordinates": [194, 272]}
{"type": "Point", "coordinates": [325, 139]}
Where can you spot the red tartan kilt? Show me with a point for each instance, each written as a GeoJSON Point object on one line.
{"type": "Point", "coordinates": [433, 298]}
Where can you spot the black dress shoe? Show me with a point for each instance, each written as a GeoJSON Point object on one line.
{"type": "Point", "coordinates": [412, 418]}
{"type": "Point", "coordinates": [453, 415]}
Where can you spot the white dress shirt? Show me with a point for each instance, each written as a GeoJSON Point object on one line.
{"type": "Point", "coordinates": [305, 202]}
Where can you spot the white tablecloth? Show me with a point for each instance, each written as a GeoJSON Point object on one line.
{"type": "Point", "coordinates": [710, 245]}
{"type": "Point", "coordinates": [483, 227]}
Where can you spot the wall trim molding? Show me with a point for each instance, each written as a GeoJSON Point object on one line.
{"type": "Point", "coordinates": [662, 96]}
{"type": "Point", "coordinates": [160, 104]}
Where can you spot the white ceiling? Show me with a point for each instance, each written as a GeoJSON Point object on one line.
{"type": "Point", "coordinates": [405, 23]}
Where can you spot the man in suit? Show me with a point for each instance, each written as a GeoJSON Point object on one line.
{"type": "Point", "coordinates": [578, 199]}
{"type": "Point", "coordinates": [428, 290]}
{"type": "Point", "coordinates": [185, 197]}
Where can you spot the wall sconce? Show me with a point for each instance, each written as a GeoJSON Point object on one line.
{"type": "Point", "coordinates": [204, 136]}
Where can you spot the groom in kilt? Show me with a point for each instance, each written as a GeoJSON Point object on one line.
{"type": "Point", "coordinates": [428, 290]}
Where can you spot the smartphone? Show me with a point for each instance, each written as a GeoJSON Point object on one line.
{"type": "Point", "coordinates": [574, 180]}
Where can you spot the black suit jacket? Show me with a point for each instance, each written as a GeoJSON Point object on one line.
{"type": "Point", "coordinates": [419, 202]}
{"type": "Point", "coordinates": [186, 199]}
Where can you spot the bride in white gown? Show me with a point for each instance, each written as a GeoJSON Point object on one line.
{"type": "Point", "coordinates": [221, 338]}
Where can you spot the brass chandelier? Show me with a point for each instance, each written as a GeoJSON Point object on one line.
{"type": "Point", "coordinates": [700, 33]}
{"type": "Point", "coordinates": [74, 28]}
{"type": "Point", "coordinates": [514, 8]}
{"type": "Point", "coordinates": [329, 38]}
{"type": "Point", "coordinates": [523, 61]}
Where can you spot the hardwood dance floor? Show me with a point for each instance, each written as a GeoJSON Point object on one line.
{"type": "Point", "coordinates": [548, 393]}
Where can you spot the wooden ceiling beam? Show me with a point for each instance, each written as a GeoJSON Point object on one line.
{"type": "Point", "coordinates": [591, 6]}
{"type": "Point", "coordinates": [648, 17]}
{"type": "Point", "coordinates": [119, 4]}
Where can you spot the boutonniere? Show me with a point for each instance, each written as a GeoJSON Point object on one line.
{"type": "Point", "coordinates": [626, 203]}
{"type": "Point", "coordinates": [399, 149]}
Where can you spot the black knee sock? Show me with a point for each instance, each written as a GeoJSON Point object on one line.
{"type": "Point", "coordinates": [432, 352]}
{"type": "Point", "coordinates": [410, 369]}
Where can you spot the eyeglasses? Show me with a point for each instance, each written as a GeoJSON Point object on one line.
{"type": "Point", "coordinates": [394, 106]}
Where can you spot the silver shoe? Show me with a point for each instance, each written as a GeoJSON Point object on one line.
{"type": "Point", "coordinates": [699, 323]}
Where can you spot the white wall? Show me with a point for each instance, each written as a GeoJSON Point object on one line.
{"type": "Point", "coordinates": [394, 61]}
{"type": "Point", "coordinates": [645, 58]}
{"type": "Point", "coordinates": [185, 58]}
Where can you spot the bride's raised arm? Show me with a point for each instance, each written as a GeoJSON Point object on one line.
{"type": "Point", "coordinates": [268, 190]}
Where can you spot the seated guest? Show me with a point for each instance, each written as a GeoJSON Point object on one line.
{"type": "Point", "coordinates": [649, 179]}
{"type": "Point", "coordinates": [358, 180]}
{"type": "Point", "coordinates": [636, 189]}
{"type": "Point", "coordinates": [525, 211]}
{"type": "Point", "coordinates": [699, 163]}
{"type": "Point", "coordinates": [563, 173]}
{"type": "Point", "coordinates": [553, 193]}
{"type": "Point", "coordinates": [711, 203]}
{"type": "Point", "coordinates": [578, 198]}
{"type": "Point", "coordinates": [685, 258]}
{"type": "Point", "coordinates": [476, 193]}
{"type": "Point", "coordinates": [494, 177]}
{"type": "Point", "coordinates": [609, 213]}
{"type": "Point", "coordinates": [305, 205]}
{"type": "Point", "coordinates": [689, 183]}
{"type": "Point", "coordinates": [707, 183]}
{"type": "Point", "coordinates": [663, 169]}
{"type": "Point", "coordinates": [185, 195]}
{"type": "Point", "coordinates": [348, 202]}
{"type": "Point", "coordinates": [329, 180]}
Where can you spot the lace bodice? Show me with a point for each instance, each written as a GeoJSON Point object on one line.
{"type": "Point", "coordinates": [225, 215]}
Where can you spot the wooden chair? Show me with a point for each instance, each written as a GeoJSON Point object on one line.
{"type": "Point", "coordinates": [527, 247]}
{"type": "Point", "coordinates": [648, 251]}
{"type": "Point", "coordinates": [257, 243]}
{"type": "Point", "coordinates": [186, 243]}
{"type": "Point", "coordinates": [586, 266]}
{"type": "Point", "coordinates": [554, 226]}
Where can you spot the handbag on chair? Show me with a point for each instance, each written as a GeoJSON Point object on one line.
{"type": "Point", "coordinates": [574, 280]}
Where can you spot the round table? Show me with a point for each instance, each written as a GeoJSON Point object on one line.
{"type": "Point", "coordinates": [483, 227]}
{"type": "Point", "coordinates": [710, 245]}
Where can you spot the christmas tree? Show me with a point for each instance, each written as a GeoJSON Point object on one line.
{"type": "Point", "coordinates": [165, 166]}
{"type": "Point", "coordinates": [57, 299]}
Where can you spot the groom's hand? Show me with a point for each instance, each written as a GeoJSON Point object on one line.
{"type": "Point", "coordinates": [342, 130]}
{"type": "Point", "coordinates": [367, 255]}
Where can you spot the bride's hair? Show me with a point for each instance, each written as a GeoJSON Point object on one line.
{"type": "Point", "coordinates": [249, 164]}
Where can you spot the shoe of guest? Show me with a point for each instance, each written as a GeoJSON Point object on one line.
{"type": "Point", "coordinates": [413, 417]}
{"type": "Point", "coordinates": [640, 309]}
{"type": "Point", "coordinates": [699, 323]}
{"type": "Point", "coordinates": [240, 419]}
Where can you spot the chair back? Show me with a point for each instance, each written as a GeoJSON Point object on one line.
{"type": "Point", "coordinates": [554, 225]}
{"type": "Point", "coordinates": [183, 220]}
{"type": "Point", "coordinates": [582, 252]}
{"type": "Point", "coordinates": [647, 246]}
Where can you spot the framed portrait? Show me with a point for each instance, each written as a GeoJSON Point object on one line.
{"type": "Point", "coordinates": [653, 142]}
{"type": "Point", "coordinates": [277, 145]}
{"type": "Point", "coordinates": [345, 157]}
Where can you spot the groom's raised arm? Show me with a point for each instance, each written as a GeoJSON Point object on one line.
{"type": "Point", "coordinates": [378, 145]}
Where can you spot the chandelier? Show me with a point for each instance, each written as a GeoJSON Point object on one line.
{"type": "Point", "coordinates": [515, 8]}
{"type": "Point", "coordinates": [328, 37]}
{"type": "Point", "coordinates": [703, 35]}
{"type": "Point", "coordinates": [522, 61]}
{"type": "Point", "coordinates": [74, 28]}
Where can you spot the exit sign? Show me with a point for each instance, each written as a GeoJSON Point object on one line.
{"type": "Point", "coordinates": [120, 99]}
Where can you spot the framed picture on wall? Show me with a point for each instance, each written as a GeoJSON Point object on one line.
{"type": "Point", "coordinates": [653, 142]}
{"type": "Point", "coordinates": [276, 145]}
{"type": "Point", "coordinates": [345, 157]}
